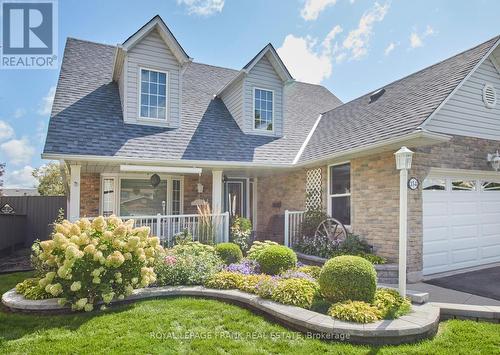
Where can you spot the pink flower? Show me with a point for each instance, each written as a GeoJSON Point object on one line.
{"type": "Point", "coordinates": [170, 260]}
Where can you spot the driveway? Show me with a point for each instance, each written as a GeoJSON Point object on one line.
{"type": "Point", "coordinates": [484, 283]}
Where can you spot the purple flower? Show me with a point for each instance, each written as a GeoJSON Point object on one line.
{"type": "Point", "coordinates": [246, 267]}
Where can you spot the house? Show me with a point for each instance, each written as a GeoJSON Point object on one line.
{"type": "Point", "coordinates": [143, 127]}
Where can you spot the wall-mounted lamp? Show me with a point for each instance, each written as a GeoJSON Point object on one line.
{"type": "Point", "coordinates": [494, 160]}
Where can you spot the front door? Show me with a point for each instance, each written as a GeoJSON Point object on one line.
{"type": "Point", "coordinates": [235, 197]}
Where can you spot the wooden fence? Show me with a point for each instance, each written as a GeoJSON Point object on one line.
{"type": "Point", "coordinates": [28, 218]}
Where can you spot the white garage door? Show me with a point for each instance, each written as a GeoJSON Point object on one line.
{"type": "Point", "coordinates": [461, 223]}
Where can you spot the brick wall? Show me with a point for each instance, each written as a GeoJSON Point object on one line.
{"type": "Point", "coordinates": [90, 184]}
{"type": "Point", "coordinates": [375, 202]}
{"type": "Point", "coordinates": [191, 192]}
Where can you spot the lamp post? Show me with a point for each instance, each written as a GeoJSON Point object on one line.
{"type": "Point", "coordinates": [403, 164]}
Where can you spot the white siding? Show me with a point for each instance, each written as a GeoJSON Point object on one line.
{"type": "Point", "coordinates": [152, 53]}
{"type": "Point", "coordinates": [233, 99]}
{"type": "Point", "coordinates": [465, 113]}
{"type": "Point", "coordinates": [264, 76]}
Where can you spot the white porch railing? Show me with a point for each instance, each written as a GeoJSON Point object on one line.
{"type": "Point", "coordinates": [293, 221]}
{"type": "Point", "coordinates": [208, 229]}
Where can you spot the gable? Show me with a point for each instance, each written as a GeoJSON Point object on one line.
{"type": "Point", "coordinates": [262, 75]}
{"type": "Point", "coordinates": [150, 52]}
{"type": "Point", "coordinates": [465, 112]}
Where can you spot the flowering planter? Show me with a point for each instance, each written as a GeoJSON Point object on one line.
{"type": "Point", "coordinates": [421, 323]}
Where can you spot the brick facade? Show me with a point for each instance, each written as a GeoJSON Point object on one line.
{"type": "Point", "coordinates": [191, 192]}
{"type": "Point", "coordinates": [90, 187]}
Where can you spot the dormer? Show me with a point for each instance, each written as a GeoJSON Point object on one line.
{"type": "Point", "coordinates": [148, 67]}
{"type": "Point", "coordinates": [255, 96]}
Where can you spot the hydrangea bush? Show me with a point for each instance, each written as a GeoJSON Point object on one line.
{"type": "Point", "coordinates": [89, 262]}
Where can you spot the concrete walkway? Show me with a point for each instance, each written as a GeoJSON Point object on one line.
{"type": "Point", "coordinates": [445, 295]}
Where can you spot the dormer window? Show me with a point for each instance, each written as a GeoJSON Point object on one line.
{"type": "Point", "coordinates": [153, 94]}
{"type": "Point", "coordinates": [263, 109]}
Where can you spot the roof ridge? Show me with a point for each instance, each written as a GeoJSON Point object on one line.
{"type": "Point", "coordinates": [494, 39]}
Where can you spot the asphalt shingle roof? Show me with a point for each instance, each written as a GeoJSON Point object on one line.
{"type": "Point", "coordinates": [403, 107]}
{"type": "Point", "coordinates": [87, 116]}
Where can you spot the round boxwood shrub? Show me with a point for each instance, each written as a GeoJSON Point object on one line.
{"type": "Point", "coordinates": [275, 259]}
{"type": "Point", "coordinates": [230, 253]}
{"type": "Point", "coordinates": [348, 278]}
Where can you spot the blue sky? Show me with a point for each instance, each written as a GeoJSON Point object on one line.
{"type": "Point", "coordinates": [349, 46]}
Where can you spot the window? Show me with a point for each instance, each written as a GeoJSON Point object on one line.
{"type": "Point", "coordinates": [463, 185]}
{"type": "Point", "coordinates": [176, 197]}
{"type": "Point", "coordinates": [490, 186]}
{"type": "Point", "coordinates": [153, 94]}
{"type": "Point", "coordinates": [139, 198]}
{"type": "Point", "coordinates": [340, 192]}
{"type": "Point", "coordinates": [263, 109]}
{"type": "Point", "coordinates": [434, 184]}
{"type": "Point", "coordinates": [108, 197]}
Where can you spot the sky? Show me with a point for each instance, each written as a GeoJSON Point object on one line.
{"type": "Point", "coordinates": [350, 46]}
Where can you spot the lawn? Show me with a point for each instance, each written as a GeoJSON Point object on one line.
{"type": "Point", "coordinates": [193, 325]}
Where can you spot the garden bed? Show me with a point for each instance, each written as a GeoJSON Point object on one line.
{"type": "Point", "coordinates": [421, 323]}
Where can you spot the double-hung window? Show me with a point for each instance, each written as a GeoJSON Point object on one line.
{"type": "Point", "coordinates": [153, 95]}
{"type": "Point", "coordinates": [339, 193]}
{"type": "Point", "coordinates": [263, 109]}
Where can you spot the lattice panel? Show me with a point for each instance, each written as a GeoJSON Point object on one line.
{"type": "Point", "coordinates": [313, 189]}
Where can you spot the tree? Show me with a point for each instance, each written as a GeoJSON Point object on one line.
{"type": "Point", "coordinates": [50, 180]}
{"type": "Point", "coordinates": [2, 171]}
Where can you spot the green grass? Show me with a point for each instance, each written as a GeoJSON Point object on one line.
{"type": "Point", "coordinates": [165, 325]}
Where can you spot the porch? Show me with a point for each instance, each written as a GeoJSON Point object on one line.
{"type": "Point", "coordinates": [169, 200]}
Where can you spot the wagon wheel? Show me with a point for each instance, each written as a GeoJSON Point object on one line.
{"type": "Point", "coordinates": [332, 229]}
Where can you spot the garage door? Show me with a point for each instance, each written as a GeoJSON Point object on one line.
{"type": "Point", "coordinates": [461, 222]}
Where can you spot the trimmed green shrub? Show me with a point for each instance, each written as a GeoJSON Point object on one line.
{"type": "Point", "coordinates": [224, 280]}
{"type": "Point", "coordinates": [311, 270]}
{"type": "Point", "coordinates": [295, 292]}
{"type": "Point", "coordinates": [230, 253]}
{"type": "Point", "coordinates": [249, 282]}
{"type": "Point", "coordinates": [275, 259]}
{"type": "Point", "coordinates": [391, 304]}
{"type": "Point", "coordinates": [257, 247]}
{"type": "Point", "coordinates": [31, 290]}
{"type": "Point", "coordinates": [355, 311]}
{"type": "Point", "coordinates": [348, 278]}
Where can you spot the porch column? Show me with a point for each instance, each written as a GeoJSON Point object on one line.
{"type": "Point", "coordinates": [74, 193]}
{"type": "Point", "coordinates": [217, 191]}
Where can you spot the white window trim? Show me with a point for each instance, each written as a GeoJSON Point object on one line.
{"type": "Point", "coordinates": [118, 178]}
{"type": "Point", "coordinates": [330, 195]}
{"type": "Point", "coordinates": [101, 194]}
{"type": "Point", "coordinates": [139, 98]}
{"type": "Point", "coordinates": [260, 130]}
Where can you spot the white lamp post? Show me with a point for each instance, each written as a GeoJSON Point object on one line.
{"type": "Point", "coordinates": [403, 164]}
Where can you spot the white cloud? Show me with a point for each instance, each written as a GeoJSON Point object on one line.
{"type": "Point", "coordinates": [358, 40]}
{"type": "Point", "coordinates": [18, 151]}
{"type": "Point", "coordinates": [6, 131]}
{"type": "Point", "coordinates": [312, 8]}
{"type": "Point", "coordinates": [389, 48]}
{"type": "Point", "coordinates": [47, 100]}
{"type": "Point", "coordinates": [20, 112]}
{"type": "Point", "coordinates": [202, 7]}
{"type": "Point", "coordinates": [330, 37]}
{"type": "Point", "coordinates": [417, 39]}
{"type": "Point", "coordinates": [20, 178]}
{"type": "Point", "coordinates": [304, 61]}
